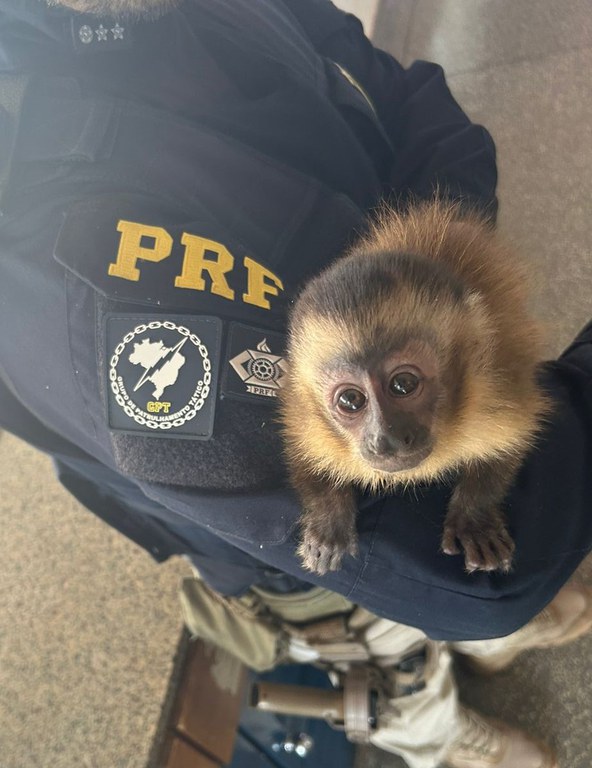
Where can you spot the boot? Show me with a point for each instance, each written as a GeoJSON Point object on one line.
{"type": "Point", "coordinates": [566, 618]}
{"type": "Point", "coordinates": [485, 743]}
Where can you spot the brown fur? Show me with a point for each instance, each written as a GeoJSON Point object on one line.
{"type": "Point", "coordinates": [477, 319]}
{"type": "Point", "coordinates": [116, 8]}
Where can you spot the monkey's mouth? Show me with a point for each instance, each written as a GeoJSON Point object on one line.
{"type": "Point", "coordinates": [397, 462]}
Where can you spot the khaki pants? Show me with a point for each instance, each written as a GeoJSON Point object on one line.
{"type": "Point", "coordinates": [264, 629]}
{"type": "Point", "coordinates": [418, 727]}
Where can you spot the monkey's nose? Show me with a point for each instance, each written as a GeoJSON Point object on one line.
{"type": "Point", "coordinates": [384, 445]}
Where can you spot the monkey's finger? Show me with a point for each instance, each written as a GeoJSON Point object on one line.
{"type": "Point", "coordinates": [329, 559]}
{"type": "Point", "coordinates": [507, 543]}
{"type": "Point", "coordinates": [498, 551]}
{"type": "Point", "coordinates": [315, 565]}
{"type": "Point", "coordinates": [353, 549]}
{"type": "Point", "coordinates": [492, 559]}
{"type": "Point", "coordinates": [494, 554]}
{"type": "Point", "coordinates": [473, 556]}
{"type": "Point", "coordinates": [449, 545]}
{"type": "Point", "coordinates": [505, 550]}
{"type": "Point", "coordinates": [335, 561]}
{"type": "Point", "coordinates": [311, 558]}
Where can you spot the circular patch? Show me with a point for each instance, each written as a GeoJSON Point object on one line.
{"type": "Point", "coordinates": [160, 374]}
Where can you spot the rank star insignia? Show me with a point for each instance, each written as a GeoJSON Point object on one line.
{"type": "Point", "coordinates": [91, 34]}
{"type": "Point", "coordinates": [86, 34]}
{"type": "Point", "coordinates": [261, 371]}
{"type": "Point", "coordinates": [102, 33]}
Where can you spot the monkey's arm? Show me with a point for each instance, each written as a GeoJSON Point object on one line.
{"type": "Point", "coordinates": [474, 517]}
{"type": "Point", "coordinates": [327, 524]}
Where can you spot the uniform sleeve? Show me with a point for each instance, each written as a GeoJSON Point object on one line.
{"type": "Point", "coordinates": [436, 145]}
{"type": "Point", "coordinates": [400, 572]}
{"type": "Point", "coordinates": [579, 352]}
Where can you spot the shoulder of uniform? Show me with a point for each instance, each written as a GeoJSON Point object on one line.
{"type": "Point", "coordinates": [133, 247]}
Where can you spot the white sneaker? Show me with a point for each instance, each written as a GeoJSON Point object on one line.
{"type": "Point", "coordinates": [486, 743]}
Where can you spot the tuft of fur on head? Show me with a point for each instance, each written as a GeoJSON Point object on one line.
{"type": "Point", "coordinates": [118, 8]}
{"type": "Point", "coordinates": [441, 275]}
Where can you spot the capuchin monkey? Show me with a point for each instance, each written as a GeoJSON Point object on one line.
{"type": "Point", "coordinates": [412, 359]}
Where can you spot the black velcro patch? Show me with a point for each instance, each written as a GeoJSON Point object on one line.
{"type": "Point", "coordinates": [254, 364]}
{"type": "Point", "coordinates": [162, 373]}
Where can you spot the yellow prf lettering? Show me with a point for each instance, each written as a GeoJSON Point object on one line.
{"type": "Point", "coordinates": [130, 248]}
{"type": "Point", "coordinates": [218, 264]}
{"type": "Point", "coordinates": [257, 285]}
{"type": "Point", "coordinates": [195, 263]}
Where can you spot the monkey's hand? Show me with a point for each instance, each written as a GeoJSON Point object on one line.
{"type": "Point", "coordinates": [482, 535]}
{"type": "Point", "coordinates": [328, 527]}
{"type": "Point", "coordinates": [474, 518]}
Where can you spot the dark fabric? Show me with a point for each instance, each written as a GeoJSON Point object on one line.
{"type": "Point", "coordinates": [239, 130]}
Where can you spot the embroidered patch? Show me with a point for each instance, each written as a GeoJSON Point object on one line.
{"type": "Point", "coordinates": [255, 366]}
{"type": "Point", "coordinates": [162, 374]}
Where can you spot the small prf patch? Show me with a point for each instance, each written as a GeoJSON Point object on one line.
{"type": "Point", "coordinates": [254, 367]}
{"type": "Point", "coordinates": [162, 374]}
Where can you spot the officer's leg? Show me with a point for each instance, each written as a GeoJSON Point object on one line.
{"type": "Point", "coordinates": [567, 617]}
{"type": "Point", "coordinates": [420, 718]}
{"type": "Point", "coordinates": [424, 723]}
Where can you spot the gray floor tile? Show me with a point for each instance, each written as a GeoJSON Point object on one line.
{"type": "Point", "coordinates": [365, 10]}
{"type": "Point", "coordinates": [89, 627]}
{"type": "Point", "coordinates": [393, 26]}
{"type": "Point", "coordinates": [547, 694]}
{"type": "Point", "coordinates": [540, 115]}
{"type": "Point", "coordinates": [465, 35]}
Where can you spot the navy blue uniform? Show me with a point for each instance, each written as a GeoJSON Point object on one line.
{"type": "Point", "coordinates": [167, 187]}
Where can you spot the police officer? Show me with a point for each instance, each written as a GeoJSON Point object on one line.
{"type": "Point", "coordinates": [171, 172]}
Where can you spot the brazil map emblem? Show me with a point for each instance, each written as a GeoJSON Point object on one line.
{"type": "Point", "coordinates": [162, 374]}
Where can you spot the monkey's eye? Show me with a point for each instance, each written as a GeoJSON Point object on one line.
{"type": "Point", "coordinates": [351, 400]}
{"type": "Point", "coordinates": [403, 384]}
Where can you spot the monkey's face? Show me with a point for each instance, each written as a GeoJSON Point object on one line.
{"type": "Point", "coordinates": [384, 407]}
{"type": "Point", "coordinates": [410, 356]}
{"type": "Point", "coordinates": [390, 360]}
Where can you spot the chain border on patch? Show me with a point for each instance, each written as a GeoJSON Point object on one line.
{"type": "Point", "coordinates": [129, 410]}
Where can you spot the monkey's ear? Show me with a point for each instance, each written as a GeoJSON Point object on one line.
{"type": "Point", "coordinates": [474, 300]}
{"type": "Point", "coordinates": [481, 322]}
{"type": "Point", "coordinates": [477, 307]}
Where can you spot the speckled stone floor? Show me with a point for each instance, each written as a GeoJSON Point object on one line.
{"type": "Point", "coordinates": [89, 627]}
